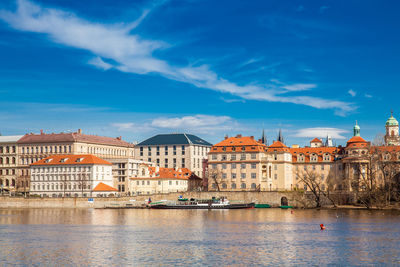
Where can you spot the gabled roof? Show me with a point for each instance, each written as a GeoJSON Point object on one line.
{"type": "Point", "coordinates": [166, 173]}
{"type": "Point", "coordinates": [356, 141]}
{"type": "Point", "coordinates": [309, 151]}
{"type": "Point", "coordinates": [72, 137]}
{"type": "Point", "coordinates": [10, 138]}
{"type": "Point", "coordinates": [71, 160]}
{"type": "Point", "coordinates": [316, 140]}
{"type": "Point", "coordinates": [102, 187]}
{"type": "Point", "coordinates": [277, 146]}
{"type": "Point", "coordinates": [236, 144]}
{"type": "Point", "coordinates": [174, 139]}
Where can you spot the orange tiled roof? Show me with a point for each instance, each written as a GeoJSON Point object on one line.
{"type": "Point", "coordinates": [309, 151]}
{"type": "Point", "coordinates": [236, 144]}
{"type": "Point", "coordinates": [102, 187]}
{"type": "Point", "coordinates": [316, 140]}
{"type": "Point", "coordinates": [167, 173]}
{"type": "Point", "coordinates": [278, 146]}
{"type": "Point", "coordinates": [71, 160]}
{"type": "Point", "coordinates": [72, 137]}
{"type": "Point", "coordinates": [356, 142]}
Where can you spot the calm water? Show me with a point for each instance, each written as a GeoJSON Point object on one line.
{"type": "Point", "coordinates": [198, 237]}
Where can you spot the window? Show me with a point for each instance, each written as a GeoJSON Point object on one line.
{"type": "Point", "coordinates": [233, 165]}
{"type": "Point", "coordinates": [224, 166]}
{"type": "Point", "coordinates": [233, 175]}
{"type": "Point", "coordinates": [233, 186]}
{"type": "Point", "coordinates": [166, 163]}
{"type": "Point", "coordinates": [174, 150]}
{"type": "Point", "coordinates": [243, 165]}
{"type": "Point", "coordinates": [243, 157]}
{"type": "Point", "coordinates": [276, 176]}
{"type": "Point", "coordinates": [223, 157]}
{"type": "Point", "coordinates": [243, 186]}
{"type": "Point", "coordinates": [141, 151]}
{"type": "Point", "coordinates": [305, 187]}
{"type": "Point", "coordinates": [253, 175]}
{"type": "Point", "coordinates": [214, 157]}
{"type": "Point", "coordinates": [275, 167]}
{"type": "Point", "coordinates": [214, 186]}
{"type": "Point", "coordinates": [183, 163]}
{"type": "Point", "coordinates": [166, 151]}
{"type": "Point", "coordinates": [137, 182]}
{"type": "Point", "coordinates": [183, 150]}
{"type": "Point", "coordinates": [243, 175]}
{"type": "Point", "coordinates": [322, 176]}
{"type": "Point", "coordinates": [224, 186]}
{"type": "Point", "coordinates": [253, 155]}
{"type": "Point", "coordinates": [253, 166]}
{"type": "Point", "coordinates": [253, 186]}
{"type": "Point", "coordinates": [322, 167]}
{"type": "Point", "coordinates": [148, 182]}
{"type": "Point", "coordinates": [224, 176]}
{"type": "Point", "coordinates": [233, 157]}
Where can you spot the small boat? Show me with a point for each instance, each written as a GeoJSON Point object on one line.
{"type": "Point", "coordinates": [214, 203]}
{"type": "Point", "coordinates": [286, 207]}
{"type": "Point", "coordinates": [262, 206]}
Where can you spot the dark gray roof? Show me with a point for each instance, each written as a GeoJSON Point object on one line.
{"type": "Point", "coordinates": [174, 139]}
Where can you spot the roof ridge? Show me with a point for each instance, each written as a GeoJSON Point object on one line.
{"type": "Point", "coordinates": [190, 142]}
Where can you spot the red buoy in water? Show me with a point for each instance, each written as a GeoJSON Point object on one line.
{"type": "Point", "coordinates": [322, 226]}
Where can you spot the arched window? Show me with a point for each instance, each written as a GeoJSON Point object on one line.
{"type": "Point", "coordinates": [233, 186]}
{"type": "Point", "coordinates": [13, 160]}
{"type": "Point", "coordinates": [1, 160]}
{"type": "Point", "coordinates": [224, 186]}
{"type": "Point", "coordinates": [392, 133]}
{"type": "Point", "coordinates": [243, 186]}
{"type": "Point", "coordinates": [7, 160]}
{"type": "Point", "coordinates": [253, 186]}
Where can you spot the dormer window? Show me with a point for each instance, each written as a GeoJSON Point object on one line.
{"type": "Point", "coordinates": [48, 160]}
{"type": "Point", "coordinates": [79, 160]}
{"type": "Point", "coordinates": [63, 160]}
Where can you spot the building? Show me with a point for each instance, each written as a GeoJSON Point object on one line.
{"type": "Point", "coordinates": [392, 132]}
{"type": "Point", "coordinates": [34, 147]}
{"type": "Point", "coordinates": [174, 151]}
{"type": "Point", "coordinates": [234, 164]}
{"type": "Point", "coordinates": [9, 170]}
{"type": "Point", "coordinates": [152, 180]}
{"type": "Point", "coordinates": [71, 176]}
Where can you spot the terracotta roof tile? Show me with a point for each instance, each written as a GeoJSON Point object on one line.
{"type": "Point", "coordinates": [102, 187]}
{"type": "Point", "coordinates": [316, 140]}
{"type": "Point", "coordinates": [71, 160]}
{"type": "Point", "coordinates": [236, 144]}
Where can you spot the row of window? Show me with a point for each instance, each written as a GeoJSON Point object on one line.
{"type": "Point", "coordinates": [7, 182]}
{"type": "Point", "coordinates": [52, 187]}
{"type": "Point", "coordinates": [61, 177]}
{"type": "Point", "coordinates": [8, 149]}
{"type": "Point", "coordinates": [233, 166]}
{"type": "Point", "coordinates": [68, 149]}
{"type": "Point", "coordinates": [243, 156]}
{"type": "Point", "coordinates": [8, 160]}
{"type": "Point", "coordinates": [314, 167]}
{"type": "Point", "coordinates": [159, 182]}
{"type": "Point", "coordinates": [233, 186]}
{"type": "Point", "coordinates": [198, 150]}
{"type": "Point", "coordinates": [64, 169]}
{"type": "Point", "coordinates": [242, 175]}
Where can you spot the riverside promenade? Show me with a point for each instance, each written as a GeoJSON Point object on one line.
{"type": "Point", "coordinates": [273, 198]}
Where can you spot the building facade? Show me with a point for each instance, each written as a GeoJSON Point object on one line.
{"type": "Point", "coordinates": [174, 151]}
{"type": "Point", "coordinates": [71, 176]}
{"type": "Point", "coordinates": [152, 180]}
{"type": "Point", "coordinates": [9, 168]}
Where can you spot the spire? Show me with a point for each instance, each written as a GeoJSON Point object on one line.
{"type": "Point", "coordinates": [280, 137]}
{"type": "Point", "coordinates": [356, 130]}
{"type": "Point", "coordinates": [263, 138]}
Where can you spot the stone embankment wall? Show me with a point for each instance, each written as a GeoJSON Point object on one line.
{"type": "Point", "coordinates": [295, 199]}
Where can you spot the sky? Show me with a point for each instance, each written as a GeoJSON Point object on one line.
{"type": "Point", "coordinates": [211, 68]}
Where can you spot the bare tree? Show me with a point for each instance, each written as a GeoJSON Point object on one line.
{"type": "Point", "coordinates": [215, 175]}
{"type": "Point", "coordinates": [379, 140]}
{"type": "Point", "coordinates": [315, 183]}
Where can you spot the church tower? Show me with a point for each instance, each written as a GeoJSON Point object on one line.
{"type": "Point", "coordinates": [392, 132]}
{"type": "Point", "coordinates": [356, 130]}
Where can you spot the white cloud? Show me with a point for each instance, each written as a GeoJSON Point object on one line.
{"type": "Point", "coordinates": [323, 8]}
{"type": "Point", "coordinates": [134, 54]}
{"type": "Point", "coordinates": [368, 96]}
{"type": "Point", "coordinates": [321, 132]}
{"type": "Point", "coordinates": [352, 92]}
{"type": "Point", "coordinates": [99, 63]}
{"type": "Point", "coordinates": [188, 122]}
{"type": "Point", "coordinates": [124, 126]}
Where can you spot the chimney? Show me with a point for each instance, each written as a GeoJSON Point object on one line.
{"type": "Point", "coordinates": [79, 131]}
{"type": "Point", "coordinates": [119, 137]}
{"type": "Point", "coordinates": [238, 136]}
{"type": "Point", "coordinates": [252, 137]}
{"type": "Point", "coordinates": [226, 137]}
{"type": "Point", "coordinates": [41, 131]}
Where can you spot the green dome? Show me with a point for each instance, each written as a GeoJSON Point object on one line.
{"type": "Point", "coordinates": [392, 122]}
{"type": "Point", "coordinates": [356, 127]}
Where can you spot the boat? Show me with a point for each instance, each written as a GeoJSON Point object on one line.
{"type": "Point", "coordinates": [262, 206]}
{"type": "Point", "coordinates": [214, 203]}
{"type": "Point", "coordinates": [286, 207]}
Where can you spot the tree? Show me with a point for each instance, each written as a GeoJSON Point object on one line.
{"type": "Point", "coordinates": [215, 176]}
{"type": "Point", "coordinates": [315, 183]}
{"type": "Point", "coordinates": [379, 140]}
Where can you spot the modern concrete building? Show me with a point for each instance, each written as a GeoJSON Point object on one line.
{"type": "Point", "coordinates": [174, 151]}
{"type": "Point", "coordinates": [71, 176]}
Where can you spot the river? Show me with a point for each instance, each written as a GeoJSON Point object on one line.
{"type": "Point", "coordinates": [94, 237]}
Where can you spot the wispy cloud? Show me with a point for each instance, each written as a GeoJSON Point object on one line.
{"type": "Point", "coordinates": [300, 8]}
{"type": "Point", "coordinates": [368, 96]}
{"type": "Point", "coordinates": [321, 132]}
{"type": "Point", "coordinates": [134, 54]}
{"type": "Point", "coordinates": [352, 92]}
{"type": "Point", "coordinates": [322, 9]}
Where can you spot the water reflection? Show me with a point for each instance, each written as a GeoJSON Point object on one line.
{"type": "Point", "coordinates": [198, 237]}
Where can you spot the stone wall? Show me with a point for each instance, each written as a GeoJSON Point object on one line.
{"type": "Point", "coordinates": [273, 198]}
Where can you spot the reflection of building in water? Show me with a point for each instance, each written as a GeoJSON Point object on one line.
{"type": "Point", "coordinates": [71, 175]}
{"type": "Point", "coordinates": [244, 164]}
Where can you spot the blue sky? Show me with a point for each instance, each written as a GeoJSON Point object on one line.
{"type": "Point", "coordinates": [137, 68]}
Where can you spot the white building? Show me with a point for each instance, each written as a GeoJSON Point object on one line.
{"type": "Point", "coordinates": [152, 180]}
{"type": "Point", "coordinates": [9, 171]}
{"type": "Point", "coordinates": [71, 176]}
{"type": "Point", "coordinates": [174, 151]}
